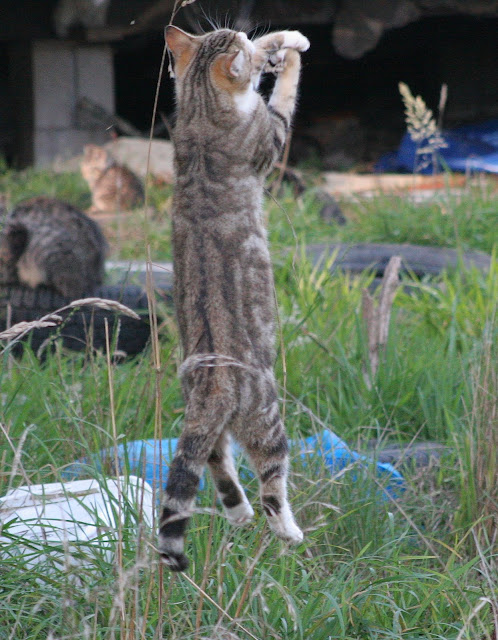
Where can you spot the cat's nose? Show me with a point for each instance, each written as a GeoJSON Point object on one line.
{"type": "Point", "coordinates": [246, 41]}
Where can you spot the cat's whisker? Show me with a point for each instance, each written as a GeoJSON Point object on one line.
{"type": "Point", "coordinates": [254, 32]}
{"type": "Point", "coordinates": [213, 23]}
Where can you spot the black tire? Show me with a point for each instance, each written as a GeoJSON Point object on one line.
{"type": "Point", "coordinates": [419, 260]}
{"type": "Point", "coordinates": [81, 328]}
{"type": "Point", "coordinates": [87, 326]}
{"type": "Point", "coordinates": [409, 456]}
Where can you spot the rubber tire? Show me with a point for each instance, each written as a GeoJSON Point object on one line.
{"type": "Point", "coordinates": [81, 328]}
{"type": "Point", "coordinates": [30, 304]}
{"type": "Point", "coordinates": [419, 260]}
{"type": "Point", "coordinates": [409, 455]}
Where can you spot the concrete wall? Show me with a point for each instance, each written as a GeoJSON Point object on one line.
{"type": "Point", "coordinates": [61, 74]}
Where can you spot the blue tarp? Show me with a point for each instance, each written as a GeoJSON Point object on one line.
{"type": "Point", "coordinates": [150, 459]}
{"type": "Point", "coordinates": [469, 148]}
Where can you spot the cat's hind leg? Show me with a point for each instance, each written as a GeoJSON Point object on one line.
{"type": "Point", "coordinates": [266, 445]}
{"type": "Point", "coordinates": [206, 417]}
{"type": "Point", "coordinates": [235, 503]}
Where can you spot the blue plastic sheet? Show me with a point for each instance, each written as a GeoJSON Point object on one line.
{"type": "Point", "coordinates": [150, 459]}
{"type": "Point", "coordinates": [469, 148]}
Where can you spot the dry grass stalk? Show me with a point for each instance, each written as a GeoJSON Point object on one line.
{"type": "Point", "coordinates": [10, 357]}
{"type": "Point", "coordinates": [443, 99]}
{"type": "Point", "coordinates": [103, 303]}
{"type": "Point", "coordinates": [420, 122]}
{"type": "Point", "coordinates": [205, 572]}
{"type": "Point", "coordinates": [19, 330]}
{"type": "Point", "coordinates": [217, 606]}
{"type": "Point", "coordinates": [483, 438]}
{"type": "Point", "coordinates": [377, 317]}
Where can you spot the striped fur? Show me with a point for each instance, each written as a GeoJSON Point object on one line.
{"type": "Point", "coordinates": [113, 187]}
{"type": "Point", "coordinates": [226, 140]}
{"type": "Point", "coordinates": [48, 242]}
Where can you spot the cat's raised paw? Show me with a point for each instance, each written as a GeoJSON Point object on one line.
{"type": "Point", "coordinates": [276, 62]}
{"type": "Point", "coordinates": [296, 40]}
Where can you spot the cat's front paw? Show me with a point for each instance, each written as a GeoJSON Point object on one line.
{"type": "Point", "coordinates": [296, 40]}
{"type": "Point", "coordinates": [281, 59]}
{"type": "Point", "coordinates": [276, 62]}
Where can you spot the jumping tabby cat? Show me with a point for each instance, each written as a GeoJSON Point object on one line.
{"type": "Point", "coordinates": [226, 141]}
{"type": "Point", "coordinates": [113, 187]}
{"type": "Point", "coordinates": [48, 242]}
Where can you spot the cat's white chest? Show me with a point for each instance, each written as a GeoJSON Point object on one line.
{"type": "Point", "coordinates": [246, 102]}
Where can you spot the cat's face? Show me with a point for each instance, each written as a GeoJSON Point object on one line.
{"type": "Point", "coordinates": [226, 57]}
{"type": "Point", "coordinates": [95, 156]}
{"type": "Point", "coordinates": [95, 161]}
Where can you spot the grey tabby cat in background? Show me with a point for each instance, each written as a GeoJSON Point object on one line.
{"type": "Point", "coordinates": [226, 141]}
{"type": "Point", "coordinates": [48, 242]}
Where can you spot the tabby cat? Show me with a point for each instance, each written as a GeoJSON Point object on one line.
{"type": "Point", "coordinates": [226, 141]}
{"type": "Point", "coordinates": [113, 187]}
{"type": "Point", "coordinates": [48, 242]}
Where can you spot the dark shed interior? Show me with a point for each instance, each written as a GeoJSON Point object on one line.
{"type": "Point", "coordinates": [350, 110]}
{"type": "Point", "coordinates": [358, 98]}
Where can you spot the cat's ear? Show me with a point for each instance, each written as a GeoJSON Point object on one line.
{"type": "Point", "coordinates": [235, 64]}
{"type": "Point", "coordinates": [182, 45]}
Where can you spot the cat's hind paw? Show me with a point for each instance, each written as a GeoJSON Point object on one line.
{"type": "Point", "coordinates": [293, 535]}
{"type": "Point", "coordinates": [286, 529]}
{"type": "Point", "coordinates": [171, 541]}
{"type": "Point", "coordinates": [282, 523]}
{"type": "Point", "coordinates": [239, 515]}
{"type": "Point", "coordinates": [175, 561]}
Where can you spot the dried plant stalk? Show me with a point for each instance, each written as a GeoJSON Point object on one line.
{"type": "Point", "coordinates": [377, 317]}
{"type": "Point", "coordinates": [420, 122]}
{"type": "Point", "coordinates": [19, 330]}
{"type": "Point", "coordinates": [103, 303]}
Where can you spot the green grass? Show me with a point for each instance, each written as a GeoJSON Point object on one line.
{"type": "Point", "coordinates": [423, 566]}
{"type": "Point", "coordinates": [18, 185]}
{"type": "Point", "coordinates": [467, 220]}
